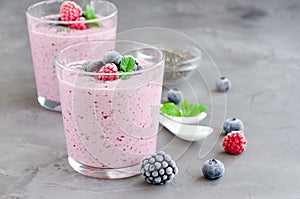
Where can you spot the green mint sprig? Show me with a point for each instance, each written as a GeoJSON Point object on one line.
{"type": "Point", "coordinates": [187, 110]}
{"type": "Point", "coordinates": [90, 14]}
{"type": "Point", "coordinates": [171, 109]}
{"type": "Point", "coordinates": [127, 65]}
{"type": "Point", "coordinates": [190, 110]}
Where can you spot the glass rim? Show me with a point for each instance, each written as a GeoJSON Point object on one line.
{"type": "Point", "coordinates": [82, 72]}
{"type": "Point", "coordinates": [28, 14]}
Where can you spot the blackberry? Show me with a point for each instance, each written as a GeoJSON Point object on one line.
{"type": "Point", "coordinates": [158, 168]}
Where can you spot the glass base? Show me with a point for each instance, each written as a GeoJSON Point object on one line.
{"type": "Point", "coordinates": [48, 104]}
{"type": "Point", "coordinates": [107, 173]}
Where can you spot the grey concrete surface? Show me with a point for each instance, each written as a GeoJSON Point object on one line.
{"type": "Point", "coordinates": [255, 43]}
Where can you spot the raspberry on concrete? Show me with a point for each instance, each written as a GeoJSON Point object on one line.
{"type": "Point", "coordinates": [235, 142]}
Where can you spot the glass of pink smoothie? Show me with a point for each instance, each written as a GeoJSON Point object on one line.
{"type": "Point", "coordinates": [48, 34]}
{"type": "Point", "coordinates": [109, 125]}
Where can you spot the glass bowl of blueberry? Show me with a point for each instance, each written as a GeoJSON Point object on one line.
{"type": "Point", "coordinates": [180, 62]}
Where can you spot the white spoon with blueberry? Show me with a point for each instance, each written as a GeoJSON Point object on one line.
{"type": "Point", "coordinates": [185, 116]}
{"type": "Point", "coordinates": [177, 121]}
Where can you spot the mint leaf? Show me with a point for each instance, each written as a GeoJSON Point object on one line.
{"type": "Point", "coordinates": [127, 64]}
{"type": "Point", "coordinates": [202, 108]}
{"type": "Point", "coordinates": [96, 24]}
{"type": "Point", "coordinates": [125, 77]}
{"type": "Point", "coordinates": [171, 109]}
{"type": "Point", "coordinates": [190, 110]}
{"type": "Point", "coordinates": [90, 14]}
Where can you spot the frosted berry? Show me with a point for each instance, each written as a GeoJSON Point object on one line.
{"type": "Point", "coordinates": [79, 26]}
{"type": "Point", "coordinates": [109, 69]}
{"type": "Point", "coordinates": [233, 124]}
{"type": "Point", "coordinates": [94, 66]}
{"type": "Point", "coordinates": [70, 11]}
{"type": "Point", "coordinates": [158, 168]}
{"type": "Point", "coordinates": [223, 84]}
{"type": "Point", "coordinates": [112, 57]}
{"type": "Point", "coordinates": [213, 169]}
{"type": "Point", "coordinates": [138, 66]}
{"type": "Point", "coordinates": [174, 95]}
{"type": "Point", "coordinates": [235, 142]}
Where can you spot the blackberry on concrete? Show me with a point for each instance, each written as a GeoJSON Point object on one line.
{"type": "Point", "coordinates": [158, 168]}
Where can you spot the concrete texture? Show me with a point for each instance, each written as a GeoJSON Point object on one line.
{"type": "Point", "coordinates": [254, 43]}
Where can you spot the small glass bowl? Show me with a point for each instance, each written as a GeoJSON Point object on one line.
{"type": "Point", "coordinates": [180, 63]}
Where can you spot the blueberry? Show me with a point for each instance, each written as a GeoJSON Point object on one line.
{"type": "Point", "coordinates": [233, 124]}
{"type": "Point", "coordinates": [175, 95]}
{"type": "Point", "coordinates": [213, 169]}
{"type": "Point", "coordinates": [223, 84]}
{"type": "Point", "coordinates": [137, 66]}
{"type": "Point", "coordinates": [112, 57]}
{"type": "Point", "coordinates": [94, 66]}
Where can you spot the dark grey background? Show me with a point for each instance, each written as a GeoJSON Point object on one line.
{"type": "Point", "coordinates": [255, 43]}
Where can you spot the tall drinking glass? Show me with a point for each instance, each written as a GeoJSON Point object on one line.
{"type": "Point", "coordinates": [48, 35]}
{"type": "Point", "coordinates": [109, 125]}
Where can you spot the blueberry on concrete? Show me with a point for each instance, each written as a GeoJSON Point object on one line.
{"type": "Point", "coordinates": [233, 124]}
{"type": "Point", "coordinates": [213, 169]}
{"type": "Point", "coordinates": [94, 66]}
{"type": "Point", "coordinates": [112, 57]}
{"type": "Point", "coordinates": [174, 95]}
{"type": "Point", "coordinates": [223, 84]}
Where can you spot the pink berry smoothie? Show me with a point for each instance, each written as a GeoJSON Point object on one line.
{"type": "Point", "coordinates": [46, 40]}
{"type": "Point", "coordinates": [110, 124]}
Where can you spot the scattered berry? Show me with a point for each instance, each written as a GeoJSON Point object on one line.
{"type": "Point", "coordinates": [94, 66]}
{"type": "Point", "coordinates": [175, 95]}
{"type": "Point", "coordinates": [213, 169]}
{"type": "Point", "coordinates": [235, 142]}
{"type": "Point", "coordinates": [109, 69]}
{"type": "Point", "coordinates": [233, 124]}
{"type": "Point", "coordinates": [79, 26]}
{"type": "Point", "coordinates": [223, 84]}
{"type": "Point", "coordinates": [159, 168]}
{"type": "Point", "coordinates": [112, 57]}
{"type": "Point", "coordinates": [70, 11]}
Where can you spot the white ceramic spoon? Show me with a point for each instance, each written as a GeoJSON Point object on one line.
{"type": "Point", "coordinates": [185, 131]}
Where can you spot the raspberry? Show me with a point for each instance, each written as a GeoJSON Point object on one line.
{"type": "Point", "coordinates": [235, 142]}
{"type": "Point", "coordinates": [109, 69]}
{"type": "Point", "coordinates": [79, 26]}
{"type": "Point", "coordinates": [70, 11]}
